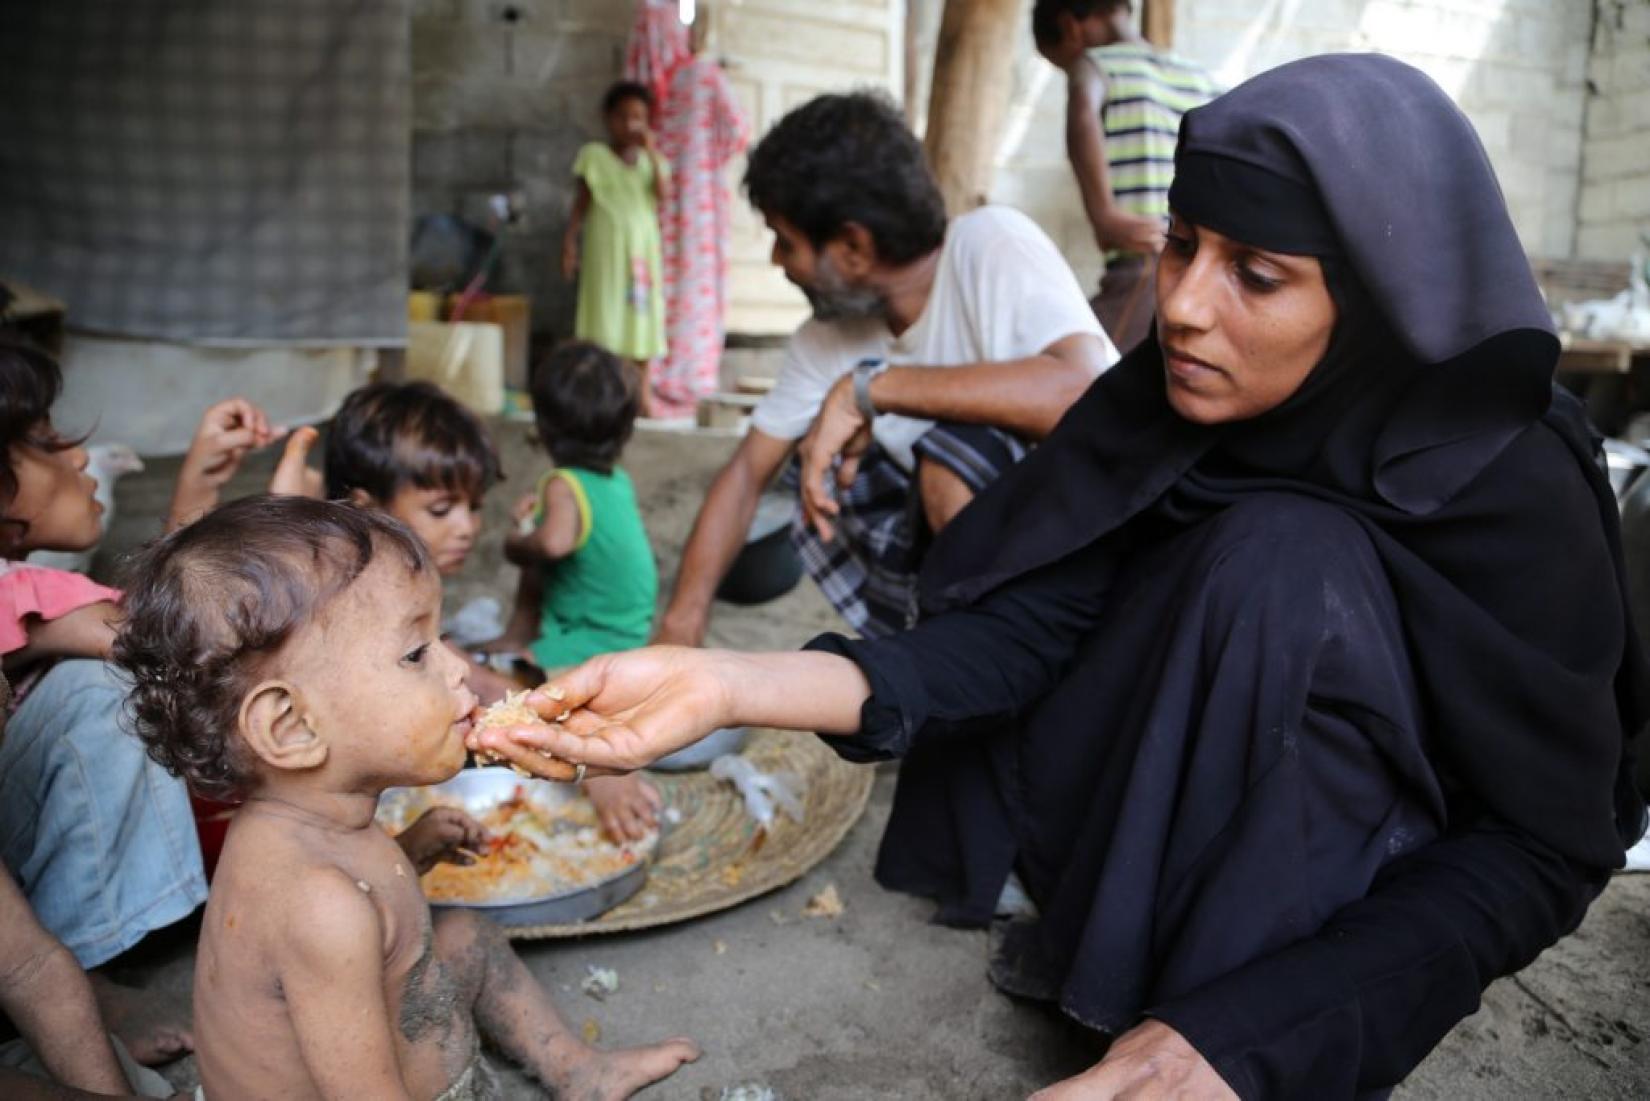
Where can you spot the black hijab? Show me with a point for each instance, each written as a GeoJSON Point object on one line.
{"type": "Point", "coordinates": [1432, 420]}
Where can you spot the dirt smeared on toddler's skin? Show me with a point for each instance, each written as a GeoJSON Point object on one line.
{"type": "Point", "coordinates": [429, 999]}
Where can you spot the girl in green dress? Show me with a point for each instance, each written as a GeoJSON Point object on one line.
{"type": "Point", "coordinates": [621, 183]}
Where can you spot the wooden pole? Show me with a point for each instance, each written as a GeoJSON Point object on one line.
{"type": "Point", "coordinates": [1157, 22]}
{"type": "Point", "coordinates": [973, 71]}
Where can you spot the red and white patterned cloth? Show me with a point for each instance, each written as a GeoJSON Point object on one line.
{"type": "Point", "coordinates": [702, 129]}
{"type": "Point", "coordinates": [28, 591]}
{"type": "Point", "coordinates": [658, 44]}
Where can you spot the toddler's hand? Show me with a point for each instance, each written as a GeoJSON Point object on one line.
{"type": "Point", "coordinates": [521, 513]}
{"type": "Point", "coordinates": [294, 477]}
{"type": "Point", "coordinates": [438, 835]}
{"type": "Point", "coordinates": [627, 806]}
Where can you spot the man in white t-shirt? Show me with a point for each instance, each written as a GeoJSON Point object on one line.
{"type": "Point", "coordinates": [936, 355]}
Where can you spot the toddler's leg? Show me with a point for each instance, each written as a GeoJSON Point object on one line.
{"type": "Point", "coordinates": [516, 1015]}
{"type": "Point", "coordinates": [644, 386]}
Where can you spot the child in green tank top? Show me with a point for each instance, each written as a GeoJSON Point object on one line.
{"type": "Point", "coordinates": [589, 583]}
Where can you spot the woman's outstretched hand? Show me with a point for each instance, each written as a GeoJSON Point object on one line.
{"type": "Point", "coordinates": [617, 713]}
{"type": "Point", "coordinates": [1150, 1062]}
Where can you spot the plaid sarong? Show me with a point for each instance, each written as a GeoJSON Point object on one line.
{"type": "Point", "coordinates": [869, 571]}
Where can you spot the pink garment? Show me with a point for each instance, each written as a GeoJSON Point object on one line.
{"type": "Point", "coordinates": [702, 130]}
{"type": "Point", "coordinates": [27, 590]}
{"type": "Point", "coordinates": [658, 45]}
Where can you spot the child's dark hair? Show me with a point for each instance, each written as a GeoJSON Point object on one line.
{"type": "Point", "coordinates": [1045, 16]}
{"type": "Point", "coordinates": [623, 90]}
{"type": "Point", "coordinates": [29, 384]}
{"type": "Point", "coordinates": [208, 606]}
{"type": "Point", "coordinates": [392, 434]}
{"type": "Point", "coordinates": [584, 403]}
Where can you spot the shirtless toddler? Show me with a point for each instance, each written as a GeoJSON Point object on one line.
{"type": "Point", "coordinates": [286, 650]}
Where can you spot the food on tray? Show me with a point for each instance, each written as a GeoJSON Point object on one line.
{"type": "Point", "coordinates": [535, 851]}
{"type": "Point", "coordinates": [512, 710]}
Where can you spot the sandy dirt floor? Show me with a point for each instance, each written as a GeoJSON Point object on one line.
{"type": "Point", "coordinates": [881, 1004]}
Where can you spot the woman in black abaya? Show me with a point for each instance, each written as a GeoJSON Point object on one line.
{"type": "Point", "coordinates": [1292, 673]}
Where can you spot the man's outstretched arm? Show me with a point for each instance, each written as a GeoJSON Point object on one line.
{"type": "Point", "coordinates": [719, 535]}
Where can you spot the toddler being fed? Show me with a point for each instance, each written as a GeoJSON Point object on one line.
{"type": "Point", "coordinates": [286, 650]}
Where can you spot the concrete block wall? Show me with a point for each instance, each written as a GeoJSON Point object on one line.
{"type": "Point", "coordinates": [1518, 68]}
{"type": "Point", "coordinates": [504, 94]}
{"type": "Point", "coordinates": [506, 91]}
{"type": "Point", "coordinates": [1615, 153]}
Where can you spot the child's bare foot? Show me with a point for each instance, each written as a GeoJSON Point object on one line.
{"type": "Point", "coordinates": [153, 1029]}
{"type": "Point", "coordinates": [613, 1075]}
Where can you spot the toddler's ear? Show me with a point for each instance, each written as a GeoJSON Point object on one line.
{"type": "Point", "coordinates": [278, 731]}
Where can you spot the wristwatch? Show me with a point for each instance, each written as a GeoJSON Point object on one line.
{"type": "Point", "coordinates": [864, 371]}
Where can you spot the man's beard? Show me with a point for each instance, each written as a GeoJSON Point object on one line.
{"type": "Point", "coordinates": [833, 299]}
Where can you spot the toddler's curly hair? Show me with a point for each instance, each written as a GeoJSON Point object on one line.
{"type": "Point", "coordinates": [209, 606]}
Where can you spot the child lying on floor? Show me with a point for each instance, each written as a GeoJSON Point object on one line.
{"type": "Point", "coordinates": [411, 450]}
{"type": "Point", "coordinates": [287, 650]}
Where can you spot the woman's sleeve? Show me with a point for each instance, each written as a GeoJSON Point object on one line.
{"type": "Point", "coordinates": [1358, 1005]}
{"type": "Point", "coordinates": [992, 659]}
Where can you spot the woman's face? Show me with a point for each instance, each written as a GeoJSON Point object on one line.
{"type": "Point", "coordinates": [54, 497]}
{"type": "Point", "coordinates": [1241, 327]}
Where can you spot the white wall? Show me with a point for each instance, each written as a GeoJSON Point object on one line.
{"type": "Point", "coordinates": [1615, 156]}
{"type": "Point", "coordinates": [1518, 68]}
{"type": "Point", "coordinates": [782, 53]}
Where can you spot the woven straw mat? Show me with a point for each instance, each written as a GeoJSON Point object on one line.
{"type": "Point", "coordinates": [711, 859]}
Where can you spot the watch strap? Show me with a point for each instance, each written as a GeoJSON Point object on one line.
{"type": "Point", "coordinates": [864, 371]}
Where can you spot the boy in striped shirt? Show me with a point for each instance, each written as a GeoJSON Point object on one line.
{"type": "Point", "coordinates": [1124, 100]}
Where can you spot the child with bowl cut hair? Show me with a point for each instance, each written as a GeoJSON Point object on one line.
{"type": "Point", "coordinates": [287, 651]}
{"type": "Point", "coordinates": [413, 451]}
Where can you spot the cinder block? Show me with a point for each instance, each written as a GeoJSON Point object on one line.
{"type": "Point", "coordinates": [1611, 158]}
{"type": "Point", "coordinates": [457, 50]}
{"type": "Point", "coordinates": [1564, 148]}
{"type": "Point", "coordinates": [1494, 128]}
{"type": "Point", "coordinates": [546, 155]}
{"type": "Point", "coordinates": [429, 10]}
{"type": "Point", "coordinates": [1607, 117]}
{"type": "Point", "coordinates": [1635, 19]}
{"type": "Point", "coordinates": [1558, 233]}
{"type": "Point", "coordinates": [1630, 69]}
{"type": "Point", "coordinates": [602, 14]}
{"type": "Point", "coordinates": [1608, 241]}
{"type": "Point", "coordinates": [540, 55]}
{"type": "Point", "coordinates": [1632, 197]}
{"type": "Point", "coordinates": [1575, 64]}
{"type": "Point", "coordinates": [1598, 202]}
{"type": "Point", "coordinates": [462, 158]}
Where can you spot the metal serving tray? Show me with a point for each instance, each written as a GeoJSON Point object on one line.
{"type": "Point", "coordinates": [479, 790]}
